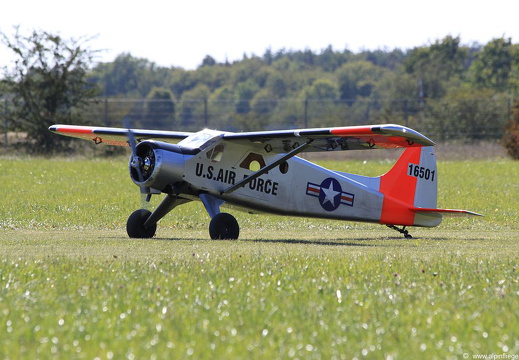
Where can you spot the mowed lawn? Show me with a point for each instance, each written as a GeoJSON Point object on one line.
{"type": "Point", "coordinates": [72, 285]}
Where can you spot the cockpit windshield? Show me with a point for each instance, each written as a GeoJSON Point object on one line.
{"type": "Point", "coordinates": [201, 139]}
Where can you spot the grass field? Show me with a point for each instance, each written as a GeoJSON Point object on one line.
{"type": "Point", "coordinates": [72, 285]}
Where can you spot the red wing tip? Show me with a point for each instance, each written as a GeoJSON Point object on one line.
{"type": "Point", "coordinates": [72, 129]}
{"type": "Point", "coordinates": [55, 128]}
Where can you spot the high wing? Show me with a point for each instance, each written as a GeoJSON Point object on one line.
{"type": "Point", "coordinates": [336, 138]}
{"type": "Point", "coordinates": [116, 136]}
{"type": "Point", "coordinates": [277, 141]}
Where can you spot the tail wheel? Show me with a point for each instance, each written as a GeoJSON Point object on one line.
{"type": "Point", "coordinates": [224, 226]}
{"type": "Point", "coordinates": [135, 225]}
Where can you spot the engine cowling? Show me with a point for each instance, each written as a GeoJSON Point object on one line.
{"type": "Point", "coordinates": [161, 165]}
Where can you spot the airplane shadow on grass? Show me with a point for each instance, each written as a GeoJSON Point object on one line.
{"type": "Point", "coordinates": [365, 242]}
{"type": "Point", "coordinates": [361, 242]}
{"type": "Point", "coordinates": [339, 242]}
{"type": "Point", "coordinates": [396, 241]}
{"type": "Point", "coordinates": [309, 242]}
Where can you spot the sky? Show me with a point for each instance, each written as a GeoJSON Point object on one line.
{"type": "Point", "coordinates": [181, 33]}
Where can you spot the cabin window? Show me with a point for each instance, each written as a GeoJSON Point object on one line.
{"type": "Point", "coordinates": [283, 167]}
{"type": "Point", "coordinates": [216, 153]}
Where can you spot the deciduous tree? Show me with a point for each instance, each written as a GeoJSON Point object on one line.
{"type": "Point", "coordinates": [160, 109]}
{"type": "Point", "coordinates": [493, 65]}
{"type": "Point", "coordinates": [48, 81]}
{"type": "Point", "coordinates": [436, 65]}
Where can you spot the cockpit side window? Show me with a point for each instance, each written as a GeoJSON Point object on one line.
{"type": "Point", "coordinates": [216, 153]}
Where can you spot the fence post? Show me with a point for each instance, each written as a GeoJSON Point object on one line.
{"type": "Point", "coordinates": [206, 115]}
{"type": "Point", "coordinates": [6, 123]}
{"type": "Point", "coordinates": [106, 112]}
{"type": "Point", "coordinates": [406, 113]}
{"type": "Point", "coordinates": [305, 120]}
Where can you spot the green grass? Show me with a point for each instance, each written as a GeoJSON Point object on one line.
{"type": "Point", "coordinates": [72, 285]}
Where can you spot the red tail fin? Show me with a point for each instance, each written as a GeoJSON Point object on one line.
{"type": "Point", "coordinates": [411, 182]}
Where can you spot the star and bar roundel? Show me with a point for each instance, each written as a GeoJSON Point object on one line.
{"type": "Point", "coordinates": [330, 194]}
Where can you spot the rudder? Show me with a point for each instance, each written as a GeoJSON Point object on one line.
{"type": "Point", "coordinates": [411, 183]}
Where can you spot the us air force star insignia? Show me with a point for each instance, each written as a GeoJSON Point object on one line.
{"type": "Point", "coordinates": [330, 194]}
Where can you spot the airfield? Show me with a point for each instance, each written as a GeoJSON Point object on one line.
{"type": "Point", "coordinates": [73, 285]}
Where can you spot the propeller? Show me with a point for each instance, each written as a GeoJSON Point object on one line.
{"type": "Point", "coordinates": [136, 163]}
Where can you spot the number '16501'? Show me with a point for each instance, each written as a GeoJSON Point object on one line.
{"type": "Point", "coordinates": [420, 172]}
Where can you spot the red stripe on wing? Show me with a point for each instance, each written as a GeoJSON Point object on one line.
{"type": "Point", "coordinates": [75, 129]}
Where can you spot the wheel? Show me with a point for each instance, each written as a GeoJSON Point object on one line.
{"type": "Point", "coordinates": [224, 226]}
{"type": "Point", "coordinates": [135, 225]}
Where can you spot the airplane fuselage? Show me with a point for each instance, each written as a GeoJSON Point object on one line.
{"type": "Point", "coordinates": [296, 187]}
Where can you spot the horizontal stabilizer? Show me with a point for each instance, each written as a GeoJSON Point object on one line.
{"type": "Point", "coordinates": [444, 212]}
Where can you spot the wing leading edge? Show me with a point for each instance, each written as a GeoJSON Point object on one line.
{"type": "Point", "coordinates": [337, 138]}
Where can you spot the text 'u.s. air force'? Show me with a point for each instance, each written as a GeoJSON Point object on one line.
{"type": "Point", "coordinates": [226, 176]}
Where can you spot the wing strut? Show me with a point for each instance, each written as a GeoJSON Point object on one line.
{"type": "Point", "coordinates": [266, 168]}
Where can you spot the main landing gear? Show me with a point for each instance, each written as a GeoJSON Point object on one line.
{"type": "Point", "coordinates": [224, 226]}
{"type": "Point", "coordinates": [142, 223]}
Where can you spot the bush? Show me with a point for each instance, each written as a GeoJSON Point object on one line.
{"type": "Point", "coordinates": [511, 137]}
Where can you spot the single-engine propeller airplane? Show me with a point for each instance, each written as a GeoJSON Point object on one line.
{"type": "Point", "coordinates": [259, 172]}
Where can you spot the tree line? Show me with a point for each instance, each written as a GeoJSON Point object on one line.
{"type": "Point", "coordinates": [445, 87]}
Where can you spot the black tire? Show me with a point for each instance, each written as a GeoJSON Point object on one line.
{"type": "Point", "coordinates": [224, 227]}
{"type": "Point", "coordinates": [135, 225]}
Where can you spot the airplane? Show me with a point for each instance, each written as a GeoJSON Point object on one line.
{"type": "Point", "coordinates": [260, 172]}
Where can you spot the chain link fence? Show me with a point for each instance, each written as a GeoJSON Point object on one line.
{"type": "Point", "coordinates": [465, 119]}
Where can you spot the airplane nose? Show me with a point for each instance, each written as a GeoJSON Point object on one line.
{"type": "Point", "coordinates": [161, 165]}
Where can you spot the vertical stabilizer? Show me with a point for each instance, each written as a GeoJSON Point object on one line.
{"type": "Point", "coordinates": [411, 183]}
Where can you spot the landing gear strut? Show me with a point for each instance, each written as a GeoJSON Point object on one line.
{"type": "Point", "coordinates": [402, 231]}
